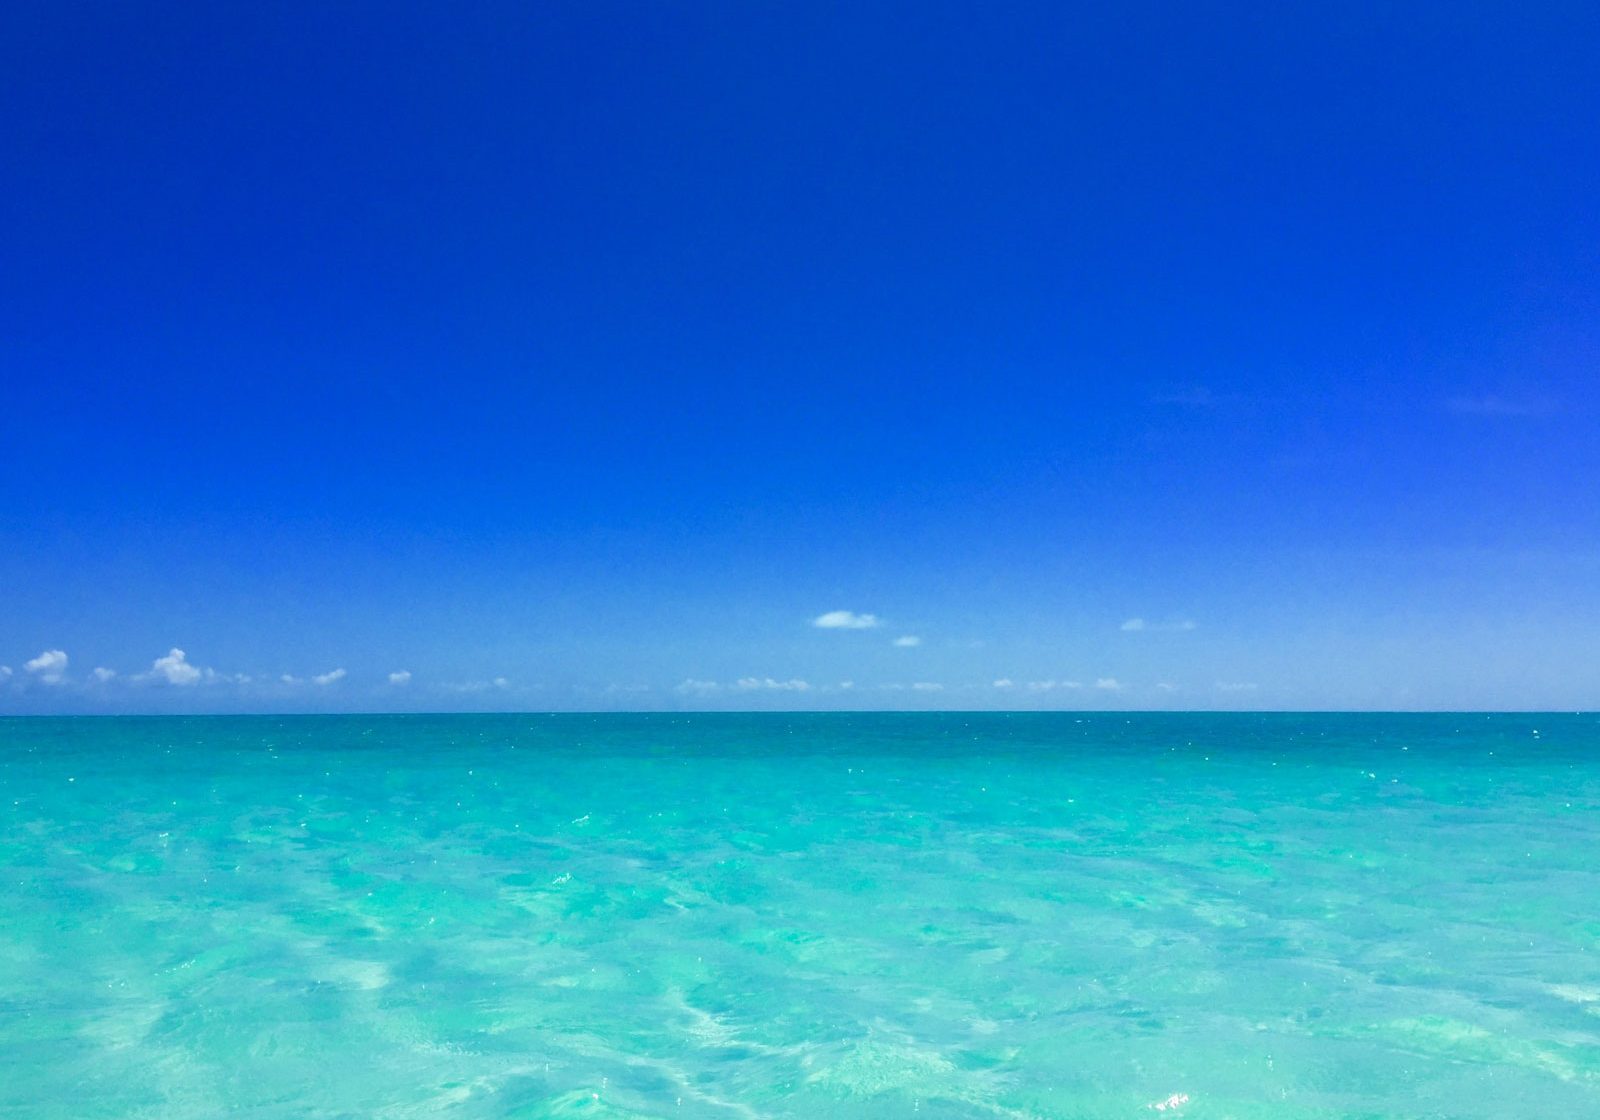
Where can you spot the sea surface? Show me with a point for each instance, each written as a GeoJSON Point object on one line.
{"type": "Point", "coordinates": [735, 916]}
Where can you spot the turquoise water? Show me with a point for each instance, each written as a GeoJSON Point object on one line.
{"type": "Point", "coordinates": [935, 916]}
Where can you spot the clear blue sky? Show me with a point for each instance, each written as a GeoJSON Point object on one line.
{"type": "Point", "coordinates": [583, 355]}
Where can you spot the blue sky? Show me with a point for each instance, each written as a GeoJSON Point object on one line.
{"type": "Point", "coordinates": [582, 356]}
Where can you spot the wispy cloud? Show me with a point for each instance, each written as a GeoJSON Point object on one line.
{"type": "Point", "coordinates": [907, 642]}
{"type": "Point", "coordinates": [50, 666]}
{"type": "Point", "coordinates": [927, 686]}
{"type": "Point", "coordinates": [1051, 686]}
{"type": "Point", "coordinates": [1005, 682]}
{"type": "Point", "coordinates": [400, 676]}
{"type": "Point", "coordinates": [1140, 625]}
{"type": "Point", "coordinates": [846, 620]}
{"type": "Point", "coordinates": [693, 687]}
{"type": "Point", "coordinates": [1108, 684]}
{"type": "Point", "coordinates": [333, 676]}
{"type": "Point", "coordinates": [478, 686]}
{"type": "Point", "coordinates": [1496, 405]}
{"type": "Point", "coordinates": [755, 684]}
{"type": "Point", "coordinates": [103, 674]}
{"type": "Point", "coordinates": [1236, 686]}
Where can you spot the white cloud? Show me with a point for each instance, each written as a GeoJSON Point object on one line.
{"type": "Point", "coordinates": [847, 685]}
{"type": "Point", "coordinates": [288, 678]}
{"type": "Point", "coordinates": [1137, 625]}
{"type": "Point", "coordinates": [752, 684]}
{"type": "Point", "coordinates": [692, 687]}
{"type": "Point", "coordinates": [5, 671]}
{"type": "Point", "coordinates": [1166, 686]}
{"type": "Point", "coordinates": [403, 676]}
{"type": "Point", "coordinates": [1109, 684]}
{"type": "Point", "coordinates": [908, 641]}
{"type": "Point", "coordinates": [1051, 686]}
{"type": "Point", "coordinates": [476, 686]}
{"type": "Point", "coordinates": [331, 677]}
{"type": "Point", "coordinates": [174, 668]}
{"type": "Point", "coordinates": [927, 686]}
{"type": "Point", "coordinates": [846, 620]}
{"type": "Point", "coordinates": [103, 675]}
{"type": "Point", "coordinates": [50, 666]}
{"type": "Point", "coordinates": [1236, 686]}
{"type": "Point", "coordinates": [1005, 682]}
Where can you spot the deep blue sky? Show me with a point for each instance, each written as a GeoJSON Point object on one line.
{"type": "Point", "coordinates": [598, 349]}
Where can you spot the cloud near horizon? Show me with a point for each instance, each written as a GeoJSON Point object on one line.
{"type": "Point", "coordinates": [909, 641]}
{"type": "Point", "coordinates": [174, 668]}
{"type": "Point", "coordinates": [402, 676]}
{"type": "Point", "coordinates": [753, 684]}
{"type": "Point", "coordinates": [1139, 625]}
{"type": "Point", "coordinates": [846, 620]}
{"type": "Point", "coordinates": [50, 666]}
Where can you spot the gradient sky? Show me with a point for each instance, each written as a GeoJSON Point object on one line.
{"type": "Point", "coordinates": [584, 355]}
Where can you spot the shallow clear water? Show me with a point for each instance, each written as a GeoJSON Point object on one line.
{"type": "Point", "coordinates": [801, 916]}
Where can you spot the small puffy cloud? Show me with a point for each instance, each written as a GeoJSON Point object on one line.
{"type": "Point", "coordinates": [1133, 625]}
{"type": "Point", "coordinates": [332, 677]}
{"type": "Point", "coordinates": [847, 685]}
{"type": "Point", "coordinates": [908, 641]}
{"type": "Point", "coordinates": [174, 668]}
{"type": "Point", "coordinates": [50, 666]}
{"type": "Point", "coordinates": [1236, 686]}
{"type": "Point", "coordinates": [1005, 682]}
{"type": "Point", "coordinates": [927, 686]}
{"type": "Point", "coordinates": [402, 676]}
{"type": "Point", "coordinates": [289, 678]}
{"type": "Point", "coordinates": [692, 687]}
{"type": "Point", "coordinates": [1108, 684]}
{"type": "Point", "coordinates": [103, 674]}
{"type": "Point", "coordinates": [1051, 686]}
{"type": "Point", "coordinates": [498, 682]}
{"type": "Point", "coordinates": [1166, 686]}
{"type": "Point", "coordinates": [846, 620]}
{"type": "Point", "coordinates": [754, 684]}
{"type": "Point", "coordinates": [5, 671]}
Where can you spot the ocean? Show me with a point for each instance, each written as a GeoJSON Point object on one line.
{"type": "Point", "coordinates": [847, 915]}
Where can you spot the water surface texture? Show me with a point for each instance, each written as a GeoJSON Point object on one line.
{"type": "Point", "coordinates": [939, 916]}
